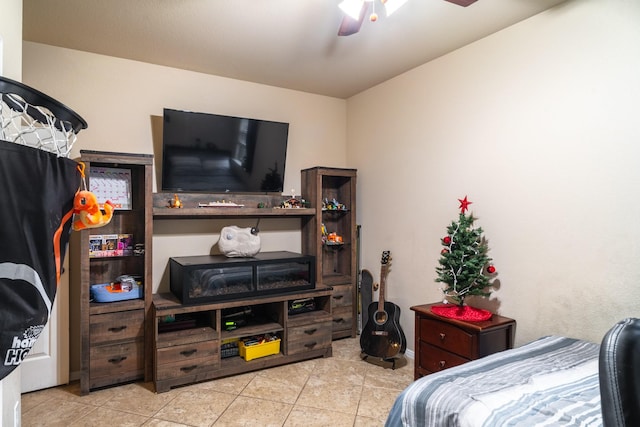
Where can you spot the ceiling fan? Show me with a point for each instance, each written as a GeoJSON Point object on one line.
{"type": "Point", "coordinates": [356, 10]}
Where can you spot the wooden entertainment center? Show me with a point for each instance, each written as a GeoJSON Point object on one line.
{"type": "Point", "coordinates": [129, 340]}
{"type": "Point", "coordinates": [193, 354]}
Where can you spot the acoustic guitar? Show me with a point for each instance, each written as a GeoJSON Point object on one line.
{"type": "Point", "coordinates": [382, 335]}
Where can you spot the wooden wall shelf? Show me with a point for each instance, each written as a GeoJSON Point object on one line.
{"type": "Point", "coordinates": [191, 209]}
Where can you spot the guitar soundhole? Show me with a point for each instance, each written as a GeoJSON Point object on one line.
{"type": "Point", "coordinates": [380, 317]}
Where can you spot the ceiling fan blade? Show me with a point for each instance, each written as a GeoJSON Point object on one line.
{"type": "Point", "coordinates": [349, 25]}
{"type": "Point", "coordinates": [464, 3]}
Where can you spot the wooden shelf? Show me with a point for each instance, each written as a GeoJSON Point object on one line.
{"type": "Point", "coordinates": [167, 303]}
{"type": "Point", "coordinates": [184, 213]}
{"type": "Point", "coordinates": [247, 331]}
{"type": "Point", "coordinates": [250, 202]}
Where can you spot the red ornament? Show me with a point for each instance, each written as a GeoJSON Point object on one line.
{"type": "Point", "coordinates": [444, 251]}
{"type": "Point", "coordinates": [446, 240]}
{"type": "Point", "coordinates": [491, 269]}
{"type": "Point", "coordinates": [464, 204]}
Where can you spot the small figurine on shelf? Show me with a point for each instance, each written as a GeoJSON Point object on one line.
{"type": "Point", "coordinates": [292, 202]}
{"type": "Point", "coordinates": [334, 239]}
{"type": "Point", "coordinates": [175, 202]}
{"type": "Point", "coordinates": [138, 249]}
{"type": "Point", "coordinates": [330, 239]}
{"type": "Point", "coordinates": [332, 205]}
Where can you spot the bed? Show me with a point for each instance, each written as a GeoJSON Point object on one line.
{"type": "Point", "coordinates": [552, 381]}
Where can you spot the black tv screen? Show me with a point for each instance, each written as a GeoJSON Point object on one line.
{"type": "Point", "coordinates": [212, 153]}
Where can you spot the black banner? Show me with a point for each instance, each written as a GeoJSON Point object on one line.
{"type": "Point", "coordinates": [36, 207]}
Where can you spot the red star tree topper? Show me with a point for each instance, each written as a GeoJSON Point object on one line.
{"type": "Point", "coordinates": [464, 204]}
{"type": "Point", "coordinates": [464, 267]}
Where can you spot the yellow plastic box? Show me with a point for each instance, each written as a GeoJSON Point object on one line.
{"type": "Point", "coordinates": [259, 350]}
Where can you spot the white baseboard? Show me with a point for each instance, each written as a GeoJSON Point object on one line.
{"type": "Point", "coordinates": [410, 354]}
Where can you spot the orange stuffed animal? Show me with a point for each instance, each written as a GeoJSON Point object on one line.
{"type": "Point", "coordinates": [87, 211]}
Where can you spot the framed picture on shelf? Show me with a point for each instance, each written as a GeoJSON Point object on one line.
{"type": "Point", "coordinates": [113, 184]}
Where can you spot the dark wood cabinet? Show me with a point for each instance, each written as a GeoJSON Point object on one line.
{"type": "Point", "coordinates": [192, 353]}
{"type": "Point", "coordinates": [115, 346]}
{"type": "Point", "coordinates": [442, 343]}
{"type": "Point", "coordinates": [322, 187]}
{"type": "Point", "coordinates": [124, 341]}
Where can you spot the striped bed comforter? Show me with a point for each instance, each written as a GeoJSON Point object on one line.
{"type": "Point", "coordinates": [552, 381]}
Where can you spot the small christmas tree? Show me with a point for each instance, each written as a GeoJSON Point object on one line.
{"type": "Point", "coordinates": [464, 267]}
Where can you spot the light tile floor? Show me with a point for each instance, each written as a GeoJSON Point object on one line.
{"type": "Point", "coordinates": [336, 391]}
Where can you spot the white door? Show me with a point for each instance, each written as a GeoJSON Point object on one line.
{"type": "Point", "coordinates": [47, 364]}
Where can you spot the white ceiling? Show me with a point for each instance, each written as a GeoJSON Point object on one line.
{"type": "Point", "coordinates": [285, 43]}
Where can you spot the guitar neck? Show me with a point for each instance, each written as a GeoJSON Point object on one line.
{"type": "Point", "coordinates": [383, 283]}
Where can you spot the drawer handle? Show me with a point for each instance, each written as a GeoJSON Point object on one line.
{"type": "Point", "coordinates": [118, 328]}
{"type": "Point", "coordinates": [117, 360]}
{"type": "Point", "coordinates": [338, 320]}
{"type": "Point", "coordinates": [338, 296]}
{"type": "Point", "coordinates": [442, 363]}
{"type": "Point", "coordinates": [188, 368]}
{"type": "Point", "coordinates": [310, 331]}
{"type": "Point", "coordinates": [442, 336]}
{"type": "Point", "coordinates": [189, 352]}
{"type": "Point", "coordinates": [311, 344]}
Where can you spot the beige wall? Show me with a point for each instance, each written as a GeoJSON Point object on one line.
{"type": "Point", "coordinates": [11, 39]}
{"type": "Point", "coordinates": [538, 126]}
{"type": "Point", "coordinates": [122, 102]}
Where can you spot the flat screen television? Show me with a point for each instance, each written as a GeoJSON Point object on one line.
{"type": "Point", "coordinates": [212, 153]}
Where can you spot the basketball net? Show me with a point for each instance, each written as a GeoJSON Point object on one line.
{"type": "Point", "coordinates": [20, 127]}
{"type": "Point", "coordinates": [31, 121]}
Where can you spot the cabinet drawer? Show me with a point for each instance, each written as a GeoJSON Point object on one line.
{"type": "Point", "coordinates": [342, 296]}
{"type": "Point", "coordinates": [126, 325]}
{"type": "Point", "coordinates": [178, 353]}
{"type": "Point", "coordinates": [187, 368]}
{"type": "Point", "coordinates": [186, 336]}
{"type": "Point", "coordinates": [309, 337]}
{"type": "Point", "coordinates": [435, 359]}
{"type": "Point", "coordinates": [447, 337]}
{"type": "Point", "coordinates": [122, 361]}
{"type": "Point", "coordinates": [342, 318]}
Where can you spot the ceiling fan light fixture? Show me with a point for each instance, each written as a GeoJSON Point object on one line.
{"type": "Point", "coordinates": [351, 7]}
{"type": "Point", "coordinates": [392, 5]}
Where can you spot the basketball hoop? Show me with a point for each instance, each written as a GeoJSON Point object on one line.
{"type": "Point", "coordinates": [29, 117]}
